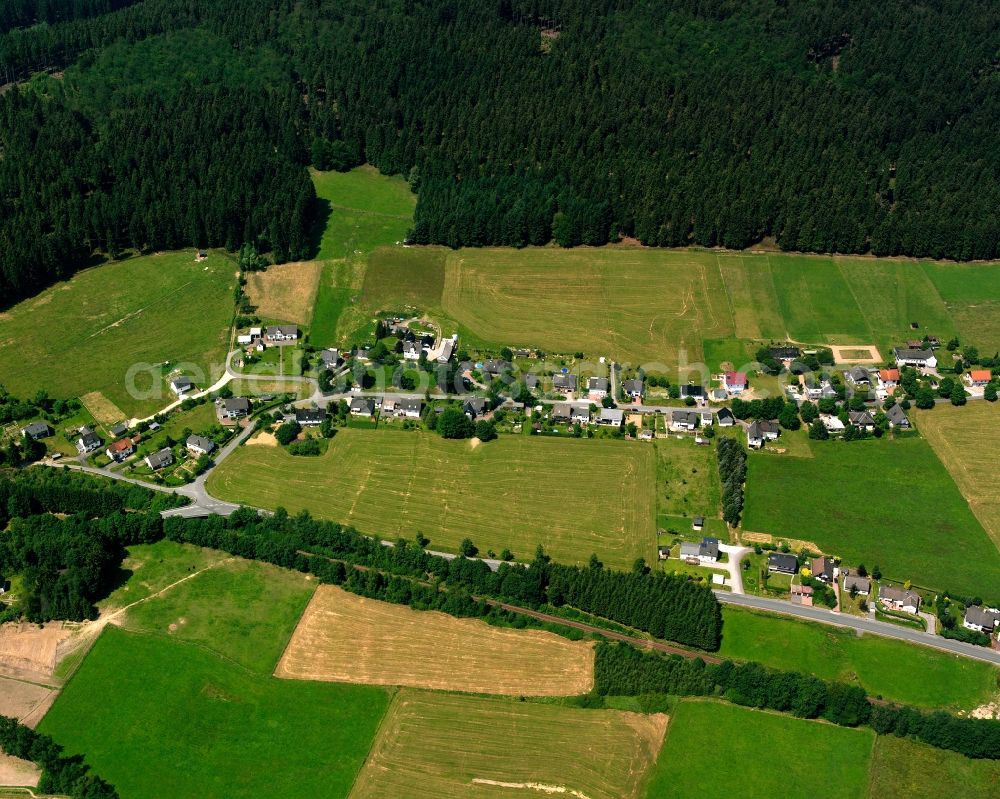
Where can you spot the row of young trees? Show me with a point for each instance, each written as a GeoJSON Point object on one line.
{"type": "Point", "coordinates": [623, 670]}
{"type": "Point", "coordinates": [820, 149]}
{"type": "Point", "coordinates": [733, 474]}
{"type": "Point", "coordinates": [61, 774]}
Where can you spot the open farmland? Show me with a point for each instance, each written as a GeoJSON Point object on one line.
{"type": "Point", "coordinates": [877, 502]}
{"type": "Point", "coordinates": [396, 278]}
{"type": "Point", "coordinates": [966, 440]}
{"type": "Point", "coordinates": [286, 292]}
{"type": "Point", "coordinates": [366, 210]}
{"type": "Point", "coordinates": [81, 336]}
{"type": "Point", "coordinates": [895, 670]}
{"type": "Point", "coordinates": [901, 767]}
{"type": "Point", "coordinates": [438, 746]}
{"type": "Point", "coordinates": [347, 638]}
{"type": "Point", "coordinates": [715, 749]}
{"type": "Point", "coordinates": [687, 481]}
{"type": "Point", "coordinates": [25, 701]}
{"type": "Point", "coordinates": [971, 292]}
{"type": "Point", "coordinates": [150, 712]}
{"type": "Point", "coordinates": [514, 492]}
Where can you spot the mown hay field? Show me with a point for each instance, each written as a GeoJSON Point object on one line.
{"type": "Point", "coordinates": [285, 293]}
{"type": "Point", "coordinates": [437, 746]}
{"type": "Point", "coordinates": [347, 638]}
{"type": "Point", "coordinates": [902, 767]}
{"type": "Point", "coordinates": [877, 502]}
{"type": "Point", "coordinates": [573, 496]}
{"type": "Point", "coordinates": [82, 336]}
{"type": "Point", "coordinates": [966, 440]}
{"type": "Point", "coordinates": [715, 749]}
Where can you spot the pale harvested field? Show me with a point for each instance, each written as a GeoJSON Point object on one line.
{"type": "Point", "coordinates": [346, 638]}
{"type": "Point", "coordinates": [966, 440]}
{"type": "Point", "coordinates": [24, 701]}
{"type": "Point", "coordinates": [18, 773]}
{"type": "Point", "coordinates": [286, 292]}
{"type": "Point", "coordinates": [28, 649]}
{"type": "Point", "coordinates": [438, 746]}
{"type": "Point", "coordinates": [573, 496]}
{"type": "Point", "coordinates": [102, 409]}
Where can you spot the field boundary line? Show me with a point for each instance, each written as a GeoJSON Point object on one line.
{"type": "Point", "coordinates": [854, 296]}
{"type": "Point", "coordinates": [389, 707]}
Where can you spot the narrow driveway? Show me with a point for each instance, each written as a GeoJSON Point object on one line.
{"type": "Point", "coordinates": [735, 572]}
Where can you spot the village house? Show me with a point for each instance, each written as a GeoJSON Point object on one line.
{"type": "Point", "coordinates": [802, 595]}
{"type": "Point", "coordinates": [863, 420]}
{"type": "Point", "coordinates": [362, 406]}
{"type": "Point", "coordinates": [832, 423]}
{"type": "Point", "coordinates": [409, 408]}
{"type": "Point", "coordinates": [199, 445]}
{"type": "Point", "coordinates": [899, 599]}
{"type": "Point", "coordinates": [691, 390]}
{"type": "Point", "coordinates": [784, 353]}
{"type": "Point", "coordinates": [330, 358]}
{"type": "Point", "coordinates": [920, 358]}
{"type": "Point", "coordinates": [977, 378]}
{"type": "Point", "coordinates": [571, 411]}
{"type": "Point", "coordinates": [597, 387]}
{"type": "Point", "coordinates": [897, 417]}
{"type": "Point", "coordinates": [234, 408]}
{"type": "Point", "coordinates": [705, 418]}
{"type": "Point", "coordinates": [663, 552]}
{"type": "Point", "coordinates": [888, 379]}
{"type": "Point", "coordinates": [564, 383]}
{"type": "Point", "coordinates": [705, 552]}
{"type": "Point", "coordinates": [782, 563]}
{"type": "Point", "coordinates": [858, 376]}
{"type": "Point", "coordinates": [735, 382]}
{"type": "Point", "coordinates": [36, 430]}
{"type": "Point", "coordinates": [759, 432]}
{"type": "Point", "coordinates": [982, 620]}
{"type": "Point", "coordinates": [159, 460]}
{"type": "Point", "coordinates": [611, 417]}
{"type": "Point", "coordinates": [494, 368]}
{"type": "Point", "coordinates": [88, 441]}
{"type": "Point", "coordinates": [632, 388]}
{"type": "Point", "coordinates": [683, 421]}
{"type": "Point", "coordinates": [822, 569]}
{"type": "Point", "coordinates": [281, 334]}
{"type": "Point", "coordinates": [447, 349]}
{"type": "Point", "coordinates": [120, 450]}
{"type": "Point", "coordinates": [725, 417]}
{"type": "Point", "coordinates": [118, 430]}
{"type": "Point", "coordinates": [412, 350]}
{"type": "Point", "coordinates": [861, 585]}
{"type": "Point", "coordinates": [181, 386]}
{"type": "Point", "coordinates": [531, 382]}
{"type": "Point", "coordinates": [474, 406]}
{"type": "Point", "coordinates": [310, 417]}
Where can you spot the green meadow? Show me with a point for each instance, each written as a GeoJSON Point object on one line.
{"type": "Point", "coordinates": [895, 670]}
{"type": "Point", "coordinates": [877, 502]}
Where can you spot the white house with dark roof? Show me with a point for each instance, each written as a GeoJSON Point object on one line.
{"type": "Point", "coordinates": [597, 387]}
{"type": "Point", "coordinates": [362, 406]}
{"type": "Point", "coordinates": [36, 430]}
{"type": "Point", "coordinates": [683, 421]}
{"type": "Point", "coordinates": [409, 408]}
{"type": "Point", "coordinates": [899, 598]}
{"type": "Point", "coordinates": [920, 358]}
{"type": "Point", "coordinates": [982, 620]}
{"type": "Point", "coordinates": [862, 420]}
{"type": "Point", "coordinates": [759, 432]}
{"type": "Point", "coordinates": [474, 406]}
{"type": "Point", "coordinates": [310, 417]}
{"type": "Point", "coordinates": [181, 386]}
{"type": "Point", "coordinates": [897, 417]}
{"type": "Point", "coordinates": [707, 551]}
{"type": "Point", "coordinates": [725, 417]}
{"type": "Point", "coordinates": [633, 388]}
{"type": "Point", "coordinates": [159, 460]}
{"type": "Point", "coordinates": [88, 441]}
{"type": "Point", "coordinates": [281, 334]}
{"type": "Point", "coordinates": [857, 583]}
{"type": "Point", "coordinates": [611, 417]}
{"type": "Point", "coordinates": [199, 445]}
{"type": "Point", "coordinates": [565, 383]}
{"type": "Point", "coordinates": [234, 408]}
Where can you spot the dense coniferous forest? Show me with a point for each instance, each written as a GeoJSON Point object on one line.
{"type": "Point", "coordinates": [831, 126]}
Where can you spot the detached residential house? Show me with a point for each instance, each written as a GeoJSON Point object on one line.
{"type": "Point", "coordinates": [706, 552]}
{"type": "Point", "coordinates": [982, 620]}
{"type": "Point", "coordinates": [735, 382]}
{"type": "Point", "coordinates": [782, 563]}
{"type": "Point", "coordinates": [862, 585]}
{"type": "Point", "coordinates": [571, 411]}
{"type": "Point", "coordinates": [832, 423]}
{"type": "Point", "coordinates": [447, 349]}
{"type": "Point", "coordinates": [531, 382]}
{"type": "Point", "coordinates": [495, 368]}
{"type": "Point", "coordinates": [705, 417]}
{"type": "Point", "coordinates": [683, 421]}
{"type": "Point", "coordinates": [888, 379]}
{"type": "Point", "coordinates": [822, 569]}
{"type": "Point", "coordinates": [310, 417]}
{"type": "Point", "coordinates": [235, 407]}
{"type": "Point", "coordinates": [663, 552]}
{"type": "Point", "coordinates": [88, 441]}
{"type": "Point", "coordinates": [633, 388]}
{"type": "Point", "coordinates": [474, 406]}
{"type": "Point", "coordinates": [899, 599]}
{"type": "Point", "coordinates": [36, 430]}
{"type": "Point", "coordinates": [862, 419]}
{"type": "Point", "coordinates": [281, 334]}
{"type": "Point", "coordinates": [858, 376]}
{"type": "Point", "coordinates": [784, 353]}
{"type": "Point", "coordinates": [199, 445]}
{"type": "Point", "coordinates": [759, 432]}
{"type": "Point", "coordinates": [181, 386]}
{"type": "Point", "coordinates": [409, 408]}
{"type": "Point", "coordinates": [120, 450]}
{"type": "Point", "coordinates": [564, 383]}
{"type": "Point", "coordinates": [611, 417]}
{"type": "Point", "coordinates": [691, 390]}
{"type": "Point", "coordinates": [159, 460]}
{"type": "Point", "coordinates": [330, 358]}
{"type": "Point", "coordinates": [725, 417]}
{"type": "Point", "coordinates": [921, 358]}
{"type": "Point", "coordinates": [362, 406]}
{"type": "Point", "coordinates": [118, 430]}
{"type": "Point", "coordinates": [978, 378]}
{"type": "Point", "coordinates": [898, 417]}
{"type": "Point", "coordinates": [597, 387]}
{"type": "Point", "coordinates": [412, 350]}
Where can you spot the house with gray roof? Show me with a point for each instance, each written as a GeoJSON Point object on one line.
{"type": "Point", "coordinates": [118, 430]}
{"type": "Point", "coordinates": [409, 408]}
{"type": "Point", "coordinates": [683, 421]}
{"type": "Point", "coordinates": [330, 358]}
{"type": "Point", "coordinates": [920, 358]}
{"type": "Point", "coordinates": [362, 406]}
{"type": "Point", "coordinates": [565, 383]}
{"type": "Point", "coordinates": [281, 334]}
{"type": "Point", "coordinates": [88, 441]}
{"type": "Point", "coordinates": [782, 563]}
{"type": "Point", "coordinates": [858, 375]}
{"type": "Point", "coordinates": [899, 598]}
{"type": "Point", "coordinates": [707, 551]}
{"type": "Point", "coordinates": [199, 445]}
{"type": "Point", "coordinates": [862, 585]}
{"type": "Point", "coordinates": [982, 620]}
{"type": "Point", "coordinates": [691, 390]}
{"type": "Point", "coordinates": [531, 381]}
{"type": "Point", "coordinates": [597, 387]}
{"type": "Point", "coordinates": [159, 460]}
{"type": "Point", "coordinates": [897, 417]}
{"type": "Point", "coordinates": [494, 368]}
{"type": "Point", "coordinates": [862, 419]}
{"type": "Point", "coordinates": [611, 417]}
{"type": "Point", "coordinates": [633, 388]}
{"type": "Point", "coordinates": [181, 385]}
{"type": "Point", "coordinates": [36, 430]}
{"type": "Point", "coordinates": [235, 407]}
{"type": "Point", "coordinates": [474, 406]}
{"type": "Point", "coordinates": [725, 417]}
{"type": "Point", "coordinates": [310, 417]}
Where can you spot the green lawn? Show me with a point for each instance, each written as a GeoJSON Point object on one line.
{"type": "Point", "coordinates": [901, 767]}
{"type": "Point", "coordinates": [84, 335]}
{"type": "Point", "coordinates": [158, 717]}
{"type": "Point", "coordinates": [396, 278]}
{"type": "Point", "coordinates": [574, 496]}
{"type": "Point", "coordinates": [687, 482]}
{"type": "Point", "coordinates": [332, 299]}
{"type": "Point", "coordinates": [715, 749]}
{"type": "Point", "coordinates": [877, 502]}
{"type": "Point", "coordinates": [242, 609]}
{"type": "Point", "coordinates": [366, 210]}
{"type": "Point", "coordinates": [898, 671]}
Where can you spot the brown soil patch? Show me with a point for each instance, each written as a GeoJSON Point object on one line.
{"type": "Point", "coordinates": [27, 702]}
{"type": "Point", "coordinates": [18, 773]}
{"type": "Point", "coordinates": [346, 638]}
{"type": "Point", "coordinates": [286, 292]}
{"type": "Point", "coordinates": [263, 440]}
{"type": "Point", "coordinates": [28, 649]}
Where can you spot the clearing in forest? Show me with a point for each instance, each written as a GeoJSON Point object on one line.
{"type": "Point", "coordinates": [438, 746]}
{"type": "Point", "coordinates": [286, 292]}
{"type": "Point", "coordinates": [515, 492]}
{"type": "Point", "coordinates": [347, 638]}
